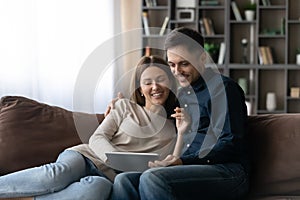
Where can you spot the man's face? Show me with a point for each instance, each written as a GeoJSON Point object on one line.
{"type": "Point", "coordinates": [182, 64]}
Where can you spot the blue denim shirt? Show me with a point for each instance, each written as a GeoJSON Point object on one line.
{"type": "Point", "coordinates": [218, 127]}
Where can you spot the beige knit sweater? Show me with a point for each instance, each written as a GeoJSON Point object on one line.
{"type": "Point", "coordinates": [129, 127]}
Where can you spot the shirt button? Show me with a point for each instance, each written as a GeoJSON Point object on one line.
{"type": "Point", "coordinates": [185, 105]}
{"type": "Point", "coordinates": [190, 131]}
{"type": "Point", "coordinates": [188, 92]}
{"type": "Point", "coordinates": [188, 145]}
{"type": "Point", "coordinates": [208, 161]}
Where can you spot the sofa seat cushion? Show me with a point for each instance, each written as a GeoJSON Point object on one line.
{"type": "Point", "coordinates": [274, 142]}
{"type": "Point", "coordinates": [33, 133]}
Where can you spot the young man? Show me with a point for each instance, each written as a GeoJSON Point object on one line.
{"type": "Point", "coordinates": [213, 163]}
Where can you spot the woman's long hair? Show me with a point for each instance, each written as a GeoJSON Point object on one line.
{"type": "Point", "coordinates": [143, 64]}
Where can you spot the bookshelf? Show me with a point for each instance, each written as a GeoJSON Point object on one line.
{"type": "Point", "coordinates": [276, 28]}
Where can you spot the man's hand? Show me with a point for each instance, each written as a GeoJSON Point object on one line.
{"type": "Point", "coordinates": [182, 120]}
{"type": "Point", "coordinates": [111, 105]}
{"type": "Point", "coordinates": [168, 161]}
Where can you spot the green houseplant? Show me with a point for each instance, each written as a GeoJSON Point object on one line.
{"type": "Point", "coordinates": [249, 11]}
{"type": "Point", "coordinates": [212, 49]}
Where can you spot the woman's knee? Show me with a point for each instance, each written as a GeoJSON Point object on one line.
{"type": "Point", "coordinates": [96, 187]}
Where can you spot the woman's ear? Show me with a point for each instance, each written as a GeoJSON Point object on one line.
{"type": "Point", "coordinates": [141, 92]}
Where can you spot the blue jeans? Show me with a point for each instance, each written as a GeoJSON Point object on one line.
{"type": "Point", "coordinates": [71, 177]}
{"type": "Point", "coordinates": [126, 186]}
{"type": "Point", "coordinates": [223, 181]}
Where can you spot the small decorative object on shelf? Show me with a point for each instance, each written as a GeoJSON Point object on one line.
{"type": "Point", "coordinates": [185, 14]}
{"type": "Point", "coordinates": [295, 92]}
{"type": "Point", "coordinates": [243, 84]}
{"type": "Point", "coordinates": [185, 3]}
{"type": "Point", "coordinates": [249, 107]}
{"type": "Point", "coordinates": [271, 101]}
{"type": "Point", "coordinates": [298, 56]}
{"type": "Point", "coordinates": [244, 43]}
{"type": "Point", "coordinates": [250, 9]}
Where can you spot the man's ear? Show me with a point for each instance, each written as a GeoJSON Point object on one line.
{"type": "Point", "coordinates": [203, 57]}
{"type": "Point", "coordinates": [202, 61]}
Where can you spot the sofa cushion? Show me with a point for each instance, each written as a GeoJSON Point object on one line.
{"type": "Point", "coordinates": [275, 150]}
{"type": "Point", "coordinates": [33, 133]}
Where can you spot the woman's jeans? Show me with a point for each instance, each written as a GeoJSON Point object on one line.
{"type": "Point", "coordinates": [71, 177]}
{"type": "Point", "coordinates": [222, 181]}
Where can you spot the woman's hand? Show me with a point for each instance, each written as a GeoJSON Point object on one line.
{"type": "Point", "coordinates": [168, 161]}
{"type": "Point", "coordinates": [111, 105]}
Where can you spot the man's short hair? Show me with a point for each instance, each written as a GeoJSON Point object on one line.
{"type": "Point", "coordinates": [190, 38]}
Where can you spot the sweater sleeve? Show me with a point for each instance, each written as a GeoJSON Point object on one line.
{"type": "Point", "coordinates": [100, 141]}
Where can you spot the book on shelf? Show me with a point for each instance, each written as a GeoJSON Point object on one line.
{"type": "Point", "coordinates": [266, 2]}
{"type": "Point", "coordinates": [164, 26]}
{"type": "Point", "coordinates": [145, 23]}
{"type": "Point", "coordinates": [222, 53]}
{"type": "Point", "coordinates": [265, 55]}
{"type": "Point", "coordinates": [236, 11]}
{"type": "Point", "coordinates": [269, 55]}
{"type": "Point", "coordinates": [202, 28]}
{"type": "Point", "coordinates": [151, 3]}
{"type": "Point", "coordinates": [262, 55]}
{"type": "Point", "coordinates": [208, 26]}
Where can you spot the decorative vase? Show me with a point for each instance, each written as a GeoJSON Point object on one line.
{"type": "Point", "coordinates": [249, 15]}
{"type": "Point", "coordinates": [271, 101]}
{"type": "Point", "coordinates": [243, 84]}
{"type": "Point", "coordinates": [298, 59]}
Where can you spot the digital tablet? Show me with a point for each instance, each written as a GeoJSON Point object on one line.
{"type": "Point", "coordinates": [127, 161]}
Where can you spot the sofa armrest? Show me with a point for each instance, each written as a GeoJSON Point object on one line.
{"type": "Point", "coordinates": [33, 133]}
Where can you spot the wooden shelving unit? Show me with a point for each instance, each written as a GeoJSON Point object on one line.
{"type": "Point", "coordinates": [276, 26]}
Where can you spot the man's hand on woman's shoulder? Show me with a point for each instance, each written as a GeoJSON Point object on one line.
{"type": "Point", "coordinates": [111, 105]}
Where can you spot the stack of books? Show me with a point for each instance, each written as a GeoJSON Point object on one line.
{"type": "Point", "coordinates": [265, 55]}
{"type": "Point", "coordinates": [206, 26]}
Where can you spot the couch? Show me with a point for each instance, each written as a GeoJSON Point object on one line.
{"type": "Point", "coordinates": [34, 133]}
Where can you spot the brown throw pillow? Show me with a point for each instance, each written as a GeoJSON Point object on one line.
{"type": "Point", "coordinates": [33, 133]}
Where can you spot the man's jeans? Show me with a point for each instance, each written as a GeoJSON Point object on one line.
{"type": "Point", "coordinates": [223, 181]}
{"type": "Point", "coordinates": [71, 177]}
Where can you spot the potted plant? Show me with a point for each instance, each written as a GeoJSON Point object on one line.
{"type": "Point", "coordinates": [213, 50]}
{"type": "Point", "coordinates": [298, 56]}
{"type": "Point", "coordinates": [249, 11]}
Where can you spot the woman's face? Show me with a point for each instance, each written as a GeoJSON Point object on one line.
{"type": "Point", "coordinates": [155, 85]}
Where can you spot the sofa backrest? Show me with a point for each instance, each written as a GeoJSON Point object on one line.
{"type": "Point", "coordinates": [33, 133]}
{"type": "Point", "coordinates": [274, 142]}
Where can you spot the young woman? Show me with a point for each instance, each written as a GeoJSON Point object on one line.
{"type": "Point", "coordinates": [141, 124]}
